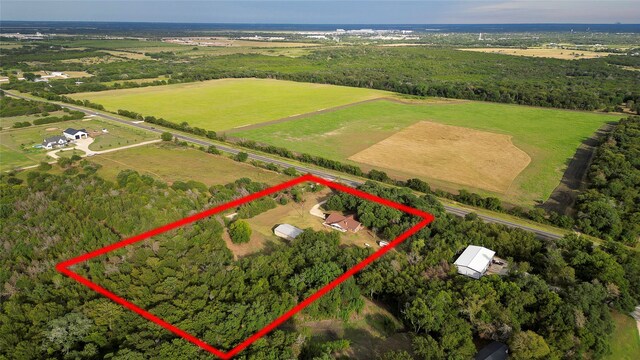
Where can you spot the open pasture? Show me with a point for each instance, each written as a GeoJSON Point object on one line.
{"type": "Point", "coordinates": [549, 137]}
{"type": "Point", "coordinates": [230, 103]}
{"type": "Point", "coordinates": [170, 163]}
{"type": "Point", "coordinates": [555, 53]}
{"type": "Point", "coordinates": [451, 153]}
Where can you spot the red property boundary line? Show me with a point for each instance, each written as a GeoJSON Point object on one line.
{"type": "Point", "coordinates": [63, 267]}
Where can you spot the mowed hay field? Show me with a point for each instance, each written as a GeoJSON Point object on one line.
{"type": "Point", "coordinates": [230, 103]}
{"type": "Point", "coordinates": [451, 153]}
{"type": "Point", "coordinates": [549, 137]}
{"type": "Point", "coordinates": [171, 163]}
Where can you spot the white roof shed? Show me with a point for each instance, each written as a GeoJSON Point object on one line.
{"type": "Point", "coordinates": [474, 261]}
{"type": "Point", "coordinates": [287, 231]}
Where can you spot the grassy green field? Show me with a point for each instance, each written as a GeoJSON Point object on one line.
{"type": "Point", "coordinates": [550, 137]}
{"type": "Point", "coordinates": [7, 122]}
{"type": "Point", "coordinates": [229, 103]}
{"type": "Point", "coordinates": [625, 342]}
{"type": "Point", "coordinates": [17, 144]}
{"type": "Point", "coordinates": [170, 163]}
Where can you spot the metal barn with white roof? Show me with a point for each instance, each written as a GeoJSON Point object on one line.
{"type": "Point", "coordinates": [474, 261]}
{"type": "Point", "coordinates": [287, 231]}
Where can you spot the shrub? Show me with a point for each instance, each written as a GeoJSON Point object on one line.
{"type": "Point", "coordinates": [166, 136]}
{"type": "Point", "coordinates": [241, 156]}
{"type": "Point", "coordinates": [240, 232]}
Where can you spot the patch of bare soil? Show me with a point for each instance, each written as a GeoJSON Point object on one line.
{"type": "Point", "coordinates": [451, 153]}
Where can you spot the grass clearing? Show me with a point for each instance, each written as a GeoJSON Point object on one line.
{"type": "Point", "coordinates": [296, 214]}
{"type": "Point", "coordinates": [625, 342]}
{"type": "Point", "coordinates": [372, 332]}
{"type": "Point", "coordinates": [118, 135]}
{"type": "Point", "coordinates": [230, 103]}
{"type": "Point", "coordinates": [170, 163]}
{"type": "Point", "coordinates": [555, 53]}
{"type": "Point", "coordinates": [451, 153]}
{"type": "Point", "coordinates": [550, 137]}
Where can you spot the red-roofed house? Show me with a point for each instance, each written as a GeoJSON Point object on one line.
{"type": "Point", "coordinates": [342, 223]}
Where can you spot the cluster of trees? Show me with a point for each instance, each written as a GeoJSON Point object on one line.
{"type": "Point", "coordinates": [554, 303]}
{"type": "Point", "coordinates": [186, 276]}
{"type": "Point", "coordinates": [16, 107]}
{"type": "Point", "coordinates": [610, 208]}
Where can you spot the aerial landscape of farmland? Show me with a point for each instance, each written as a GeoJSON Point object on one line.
{"type": "Point", "coordinates": [369, 180]}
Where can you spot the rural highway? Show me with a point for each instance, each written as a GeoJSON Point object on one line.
{"type": "Point", "coordinates": [450, 209]}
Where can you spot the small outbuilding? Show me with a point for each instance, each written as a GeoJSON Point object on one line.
{"type": "Point", "coordinates": [474, 261]}
{"type": "Point", "coordinates": [494, 351]}
{"type": "Point", "coordinates": [73, 134]}
{"type": "Point", "coordinates": [287, 231]}
{"type": "Point", "coordinates": [54, 141]}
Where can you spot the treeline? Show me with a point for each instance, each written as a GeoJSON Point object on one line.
{"type": "Point", "coordinates": [610, 208]}
{"type": "Point", "coordinates": [73, 115]}
{"type": "Point", "coordinates": [16, 107]}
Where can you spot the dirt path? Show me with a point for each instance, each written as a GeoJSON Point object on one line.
{"type": "Point", "coordinates": [336, 108]}
{"type": "Point", "coordinates": [564, 195]}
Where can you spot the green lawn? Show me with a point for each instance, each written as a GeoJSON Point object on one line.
{"type": "Point", "coordinates": [229, 103]}
{"type": "Point", "coordinates": [170, 163]}
{"type": "Point", "coordinates": [625, 342]}
{"type": "Point", "coordinates": [550, 137]}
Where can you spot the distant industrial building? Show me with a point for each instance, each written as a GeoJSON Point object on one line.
{"type": "Point", "coordinates": [474, 261]}
{"type": "Point", "coordinates": [286, 231]}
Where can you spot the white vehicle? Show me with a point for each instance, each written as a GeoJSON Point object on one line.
{"type": "Point", "coordinates": [383, 243]}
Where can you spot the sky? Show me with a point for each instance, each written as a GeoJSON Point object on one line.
{"type": "Point", "coordinates": [327, 11]}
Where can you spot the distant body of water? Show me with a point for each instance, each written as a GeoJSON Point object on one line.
{"type": "Point", "coordinates": [118, 27]}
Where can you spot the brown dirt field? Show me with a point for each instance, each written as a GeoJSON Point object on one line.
{"type": "Point", "coordinates": [450, 153]}
{"type": "Point", "coordinates": [563, 54]}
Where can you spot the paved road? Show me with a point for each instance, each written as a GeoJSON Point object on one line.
{"type": "Point", "coordinates": [450, 209]}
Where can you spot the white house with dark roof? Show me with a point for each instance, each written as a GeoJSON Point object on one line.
{"type": "Point", "coordinates": [54, 141]}
{"type": "Point", "coordinates": [73, 134]}
{"type": "Point", "coordinates": [474, 261]}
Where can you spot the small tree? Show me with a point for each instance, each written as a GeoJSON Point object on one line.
{"type": "Point", "coordinates": [240, 232]}
{"type": "Point", "coordinates": [166, 136]}
{"type": "Point", "coordinates": [241, 156]}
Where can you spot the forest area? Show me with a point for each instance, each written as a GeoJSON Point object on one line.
{"type": "Point", "coordinates": [554, 303]}
{"type": "Point", "coordinates": [589, 84]}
